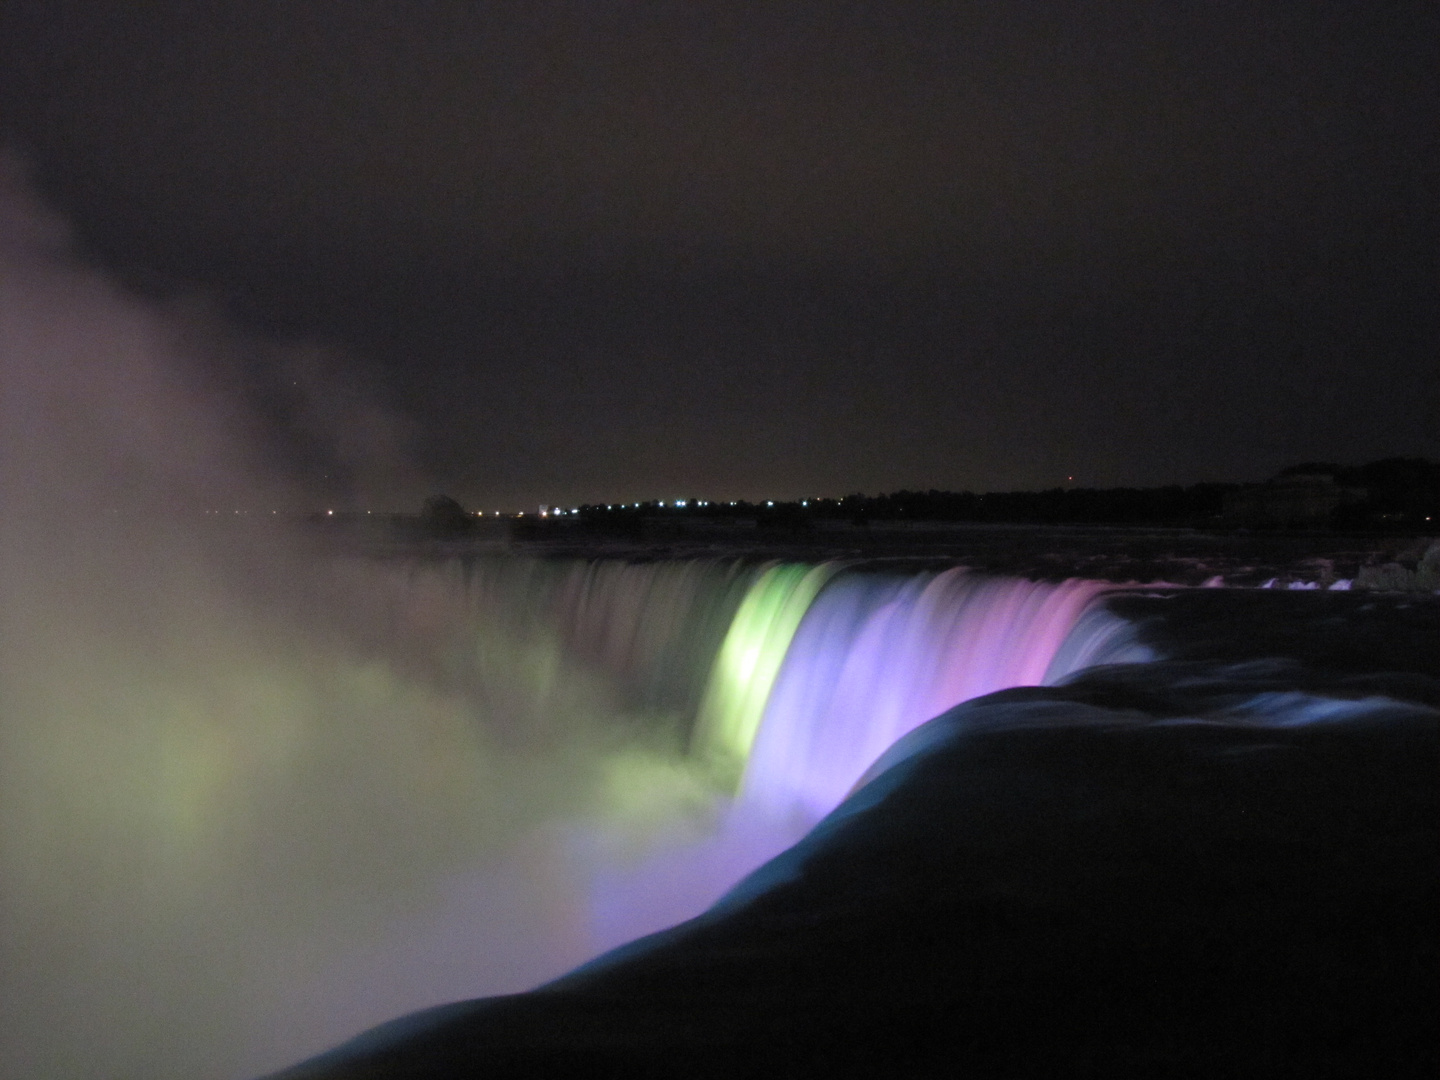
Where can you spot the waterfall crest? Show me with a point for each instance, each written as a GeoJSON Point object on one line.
{"type": "Point", "coordinates": [878, 656]}
{"type": "Point", "coordinates": [788, 679]}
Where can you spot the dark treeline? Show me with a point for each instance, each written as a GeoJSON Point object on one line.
{"type": "Point", "coordinates": [1197, 503]}
{"type": "Point", "coordinates": [1394, 493]}
{"type": "Point", "coordinates": [1092, 506]}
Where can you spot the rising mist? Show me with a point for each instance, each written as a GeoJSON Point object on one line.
{"type": "Point", "coordinates": [232, 775]}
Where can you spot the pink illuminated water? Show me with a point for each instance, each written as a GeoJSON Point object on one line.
{"type": "Point", "coordinates": [876, 657]}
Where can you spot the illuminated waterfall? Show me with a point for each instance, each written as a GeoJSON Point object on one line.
{"type": "Point", "coordinates": [749, 661]}
{"type": "Point", "coordinates": [386, 783]}
{"type": "Point", "coordinates": [821, 668]}
{"type": "Point", "coordinates": [781, 676]}
{"type": "Point", "coordinates": [877, 656]}
{"type": "Point", "coordinates": [794, 677]}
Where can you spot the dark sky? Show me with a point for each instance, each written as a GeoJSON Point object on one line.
{"type": "Point", "coordinates": [591, 250]}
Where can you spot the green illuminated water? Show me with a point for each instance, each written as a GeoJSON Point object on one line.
{"type": "Point", "coordinates": [748, 662]}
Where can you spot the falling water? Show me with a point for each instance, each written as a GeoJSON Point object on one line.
{"type": "Point", "coordinates": [263, 830]}
{"type": "Point", "coordinates": [820, 669]}
{"type": "Point", "coordinates": [745, 669]}
{"type": "Point", "coordinates": [877, 656]}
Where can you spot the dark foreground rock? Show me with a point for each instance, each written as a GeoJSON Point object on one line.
{"type": "Point", "coordinates": [1186, 868]}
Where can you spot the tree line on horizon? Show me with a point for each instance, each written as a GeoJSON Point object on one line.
{"type": "Point", "coordinates": [1394, 493]}
{"type": "Point", "coordinates": [1388, 493]}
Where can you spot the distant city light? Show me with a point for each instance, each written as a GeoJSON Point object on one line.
{"type": "Point", "coordinates": [680, 502]}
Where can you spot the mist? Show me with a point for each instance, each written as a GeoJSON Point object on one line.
{"type": "Point", "coordinates": [259, 792]}
{"type": "Point", "coordinates": [251, 799]}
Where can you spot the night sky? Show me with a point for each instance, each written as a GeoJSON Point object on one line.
{"type": "Point", "coordinates": [601, 250]}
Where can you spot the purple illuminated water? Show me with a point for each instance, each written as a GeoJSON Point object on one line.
{"type": "Point", "coordinates": [877, 656]}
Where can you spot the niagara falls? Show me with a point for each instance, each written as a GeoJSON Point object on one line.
{"type": "Point", "coordinates": [594, 539]}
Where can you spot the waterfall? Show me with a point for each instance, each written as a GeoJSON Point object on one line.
{"type": "Point", "coordinates": [786, 680]}
{"type": "Point", "coordinates": [877, 656]}
{"type": "Point", "coordinates": [241, 821]}
{"type": "Point", "coordinates": [791, 678]}
{"type": "Point", "coordinates": [818, 671]}
{"type": "Point", "coordinates": [746, 667]}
